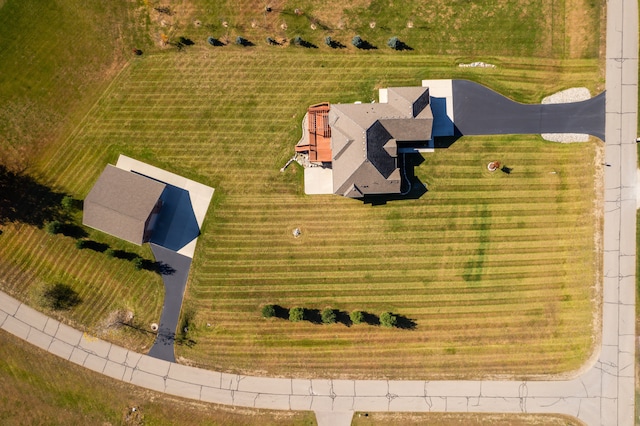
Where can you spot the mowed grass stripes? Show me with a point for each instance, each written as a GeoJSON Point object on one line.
{"type": "Point", "coordinates": [499, 271]}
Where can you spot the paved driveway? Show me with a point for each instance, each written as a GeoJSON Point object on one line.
{"type": "Point", "coordinates": [479, 110]}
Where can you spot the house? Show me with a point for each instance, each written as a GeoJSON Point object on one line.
{"type": "Point", "coordinates": [124, 204]}
{"type": "Point", "coordinates": [366, 140]}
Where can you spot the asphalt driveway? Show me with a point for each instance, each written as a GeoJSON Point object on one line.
{"type": "Point", "coordinates": [479, 110]}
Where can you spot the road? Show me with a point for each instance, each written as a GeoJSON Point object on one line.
{"type": "Point", "coordinates": [602, 394]}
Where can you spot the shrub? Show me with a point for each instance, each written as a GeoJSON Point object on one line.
{"type": "Point", "coordinates": [387, 319]}
{"type": "Point", "coordinates": [271, 41]}
{"type": "Point", "coordinates": [138, 263]}
{"type": "Point", "coordinates": [68, 203]}
{"type": "Point", "coordinates": [80, 244]}
{"type": "Point", "coordinates": [212, 41]}
{"type": "Point", "coordinates": [240, 41]}
{"type": "Point", "coordinates": [357, 41]}
{"type": "Point", "coordinates": [268, 311]}
{"type": "Point", "coordinates": [53, 227]}
{"type": "Point", "coordinates": [356, 317]}
{"type": "Point", "coordinates": [394, 43]}
{"type": "Point", "coordinates": [296, 314]}
{"type": "Point", "coordinates": [297, 40]}
{"type": "Point", "coordinates": [328, 316]}
{"type": "Point", "coordinates": [110, 252]}
{"type": "Point", "coordinates": [328, 41]}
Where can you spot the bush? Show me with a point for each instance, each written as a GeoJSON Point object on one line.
{"type": "Point", "coordinates": [53, 227]}
{"type": "Point", "coordinates": [68, 203]}
{"type": "Point", "coordinates": [240, 41]}
{"type": "Point", "coordinates": [357, 41]}
{"type": "Point", "coordinates": [394, 43]}
{"type": "Point", "coordinates": [387, 319]}
{"type": "Point", "coordinates": [296, 314]}
{"type": "Point", "coordinates": [138, 263]}
{"type": "Point", "coordinates": [271, 41]}
{"type": "Point", "coordinates": [80, 244]}
{"type": "Point", "coordinates": [110, 252]}
{"type": "Point", "coordinates": [328, 316]}
{"type": "Point", "coordinates": [268, 311]}
{"type": "Point", "coordinates": [212, 41]}
{"type": "Point", "coordinates": [60, 297]}
{"type": "Point", "coordinates": [356, 317]}
{"type": "Point", "coordinates": [297, 40]}
{"type": "Point", "coordinates": [328, 41]}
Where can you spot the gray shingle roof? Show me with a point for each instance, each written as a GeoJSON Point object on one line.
{"type": "Point", "coordinates": [365, 137]}
{"type": "Point", "coordinates": [120, 203]}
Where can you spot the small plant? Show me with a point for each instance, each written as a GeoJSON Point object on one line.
{"type": "Point", "coordinates": [296, 314]}
{"type": "Point", "coordinates": [356, 317]}
{"type": "Point", "coordinates": [328, 316]}
{"type": "Point", "coordinates": [387, 319]}
{"type": "Point", "coordinates": [138, 263]}
{"type": "Point", "coordinates": [394, 43]}
{"type": "Point", "coordinates": [81, 244]}
{"type": "Point", "coordinates": [53, 227]}
{"type": "Point", "coordinates": [68, 203]}
{"type": "Point", "coordinates": [268, 311]}
{"type": "Point", "coordinates": [357, 41]}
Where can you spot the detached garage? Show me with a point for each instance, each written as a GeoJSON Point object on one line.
{"type": "Point", "coordinates": [124, 204]}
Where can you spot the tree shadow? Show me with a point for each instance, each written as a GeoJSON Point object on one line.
{"type": "Point", "coordinates": [124, 255]}
{"type": "Point", "coordinates": [215, 42]}
{"type": "Point", "coordinates": [307, 44]}
{"type": "Point", "coordinates": [336, 45]}
{"type": "Point", "coordinates": [342, 317]}
{"type": "Point", "coordinates": [401, 45]}
{"type": "Point", "coordinates": [92, 245]}
{"type": "Point", "coordinates": [241, 41]}
{"type": "Point", "coordinates": [313, 316]}
{"type": "Point", "coordinates": [506, 169]}
{"type": "Point", "coordinates": [365, 45]}
{"type": "Point", "coordinates": [280, 312]}
{"type": "Point", "coordinates": [73, 231]}
{"type": "Point", "coordinates": [24, 200]}
{"type": "Point", "coordinates": [369, 318]}
{"type": "Point", "coordinates": [405, 323]}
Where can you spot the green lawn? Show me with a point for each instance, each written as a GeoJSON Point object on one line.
{"type": "Point", "coordinates": [495, 269]}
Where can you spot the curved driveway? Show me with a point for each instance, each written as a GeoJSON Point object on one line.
{"type": "Point", "coordinates": [603, 394]}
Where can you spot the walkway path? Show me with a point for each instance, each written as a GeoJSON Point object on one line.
{"type": "Point", "coordinates": [603, 394]}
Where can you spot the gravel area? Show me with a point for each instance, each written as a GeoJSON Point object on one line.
{"type": "Point", "coordinates": [575, 94]}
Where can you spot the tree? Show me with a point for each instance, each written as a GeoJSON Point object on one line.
{"type": "Point", "coordinates": [328, 41]}
{"type": "Point", "coordinates": [296, 314]}
{"type": "Point", "coordinates": [268, 311]}
{"type": "Point", "coordinates": [387, 319]}
{"type": "Point", "coordinates": [328, 316]}
{"type": "Point", "coordinates": [357, 41]}
{"type": "Point", "coordinates": [53, 227]}
{"type": "Point", "coordinates": [240, 41]}
{"type": "Point", "coordinates": [60, 297]}
{"type": "Point", "coordinates": [394, 43]}
{"type": "Point", "coordinates": [212, 41]}
{"type": "Point", "coordinates": [356, 317]}
{"type": "Point", "coordinates": [297, 40]}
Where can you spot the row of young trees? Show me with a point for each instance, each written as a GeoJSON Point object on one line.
{"type": "Point", "coordinates": [328, 315]}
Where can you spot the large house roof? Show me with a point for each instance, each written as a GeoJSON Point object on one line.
{"type": "Point", "coordinates": [365, 138]}
{"type": "Point", "coordinates": [120, 203]}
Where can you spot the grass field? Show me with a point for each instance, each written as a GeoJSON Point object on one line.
{"type": "Point", "coordinates": [497, 271]}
